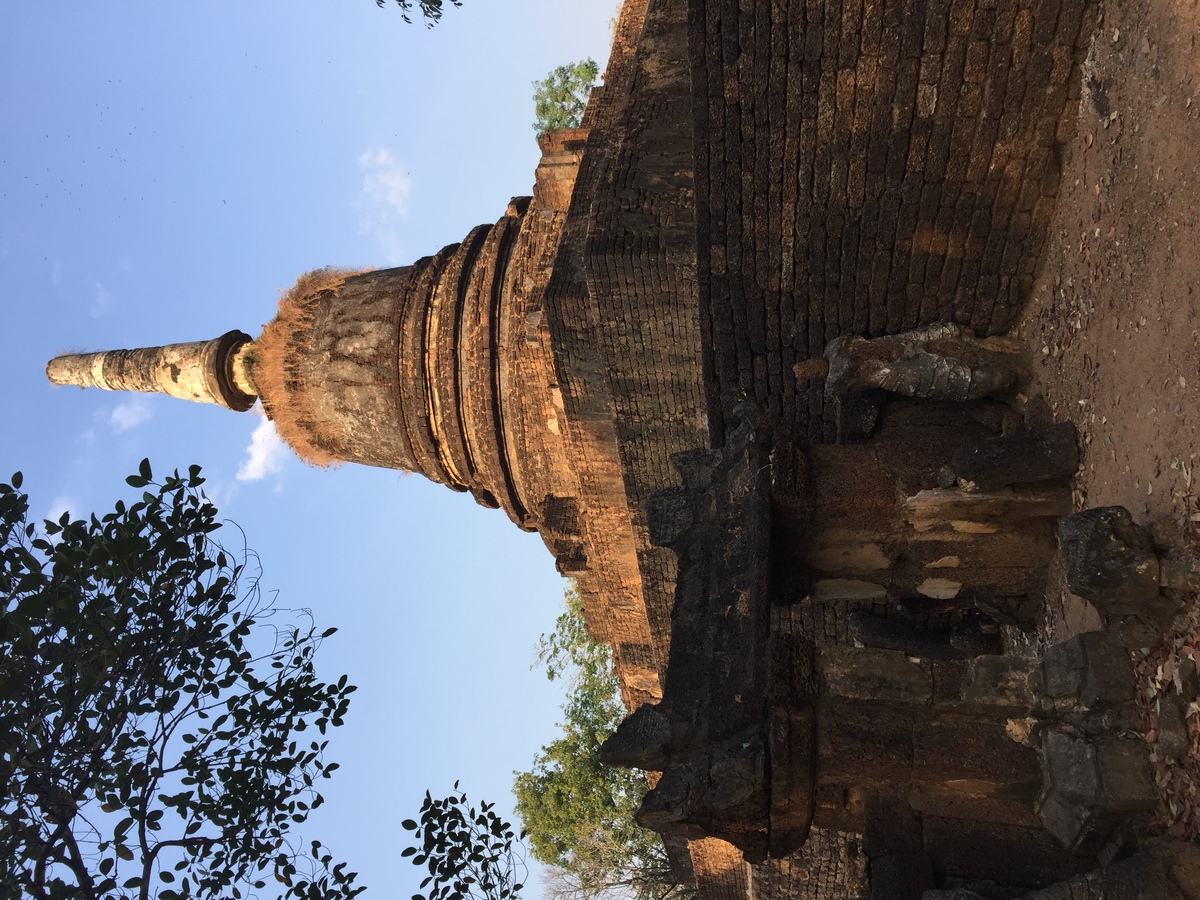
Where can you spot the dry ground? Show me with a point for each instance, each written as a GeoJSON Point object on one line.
{"type": "Point", "coordinates": [1114, 324]}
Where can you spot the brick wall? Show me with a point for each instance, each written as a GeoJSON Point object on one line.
{"type": "Point", "coordinates": [865, 166]}
{"type": "Point", "coordinates": [830, 866]}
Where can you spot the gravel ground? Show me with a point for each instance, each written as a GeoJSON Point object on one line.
{"type": "Point", "coordinates": [1114, 331]}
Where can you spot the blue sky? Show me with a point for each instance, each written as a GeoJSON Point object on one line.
{"type": "Point", "coordinates": [167, 168]}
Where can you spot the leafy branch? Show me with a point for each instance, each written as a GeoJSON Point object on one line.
{"type": "Point", "coordinates": [431, 10]}
{"type": "Point", "coordinates": [469, 851]}
{"type": "Point", "coordinates": [150, 709]}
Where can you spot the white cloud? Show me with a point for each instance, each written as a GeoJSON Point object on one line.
{"type": "Point", "coordinates": [59, 505]}
{"type": "Point", "coordinates": [101, 301]}
{"type": "Point", "coordinates": [129, 414]}
{"type": "Point", "coordinates": [265, 454]}
{"type": "Point", "coordinates": [386, 189]}
{"type": "Point", "coordinates": [383, 182]}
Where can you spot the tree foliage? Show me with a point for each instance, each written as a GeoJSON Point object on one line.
{"type": "Point", "coordinates": [431, 10]}
{"type": "Point", "coordinates": [469, 852]}
{"type": "Point", "coordinates": [561, 97]}
{"type": "Point", "coordinates": [577, 812]}
{"type": "Point", "coordinates": [151, 706]}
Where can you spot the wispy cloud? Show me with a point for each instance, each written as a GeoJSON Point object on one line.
{"type": "Point", "coordinates": [265, 454]}
{"type": "Point", "coordinates": [101, 301]}
{"type": "Point", "coordinates": [386, 189]}
{"type": "Point", "coordinates": [59, 505]}
{"type": "Point", "coordinates": [219, 490]}
{"type": "Point", "coordinates": [129, 414]}
{"type": "Point", "coordinates": [383, 182]}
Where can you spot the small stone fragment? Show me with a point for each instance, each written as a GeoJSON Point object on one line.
{"type": "Point", "coordinates": [1173, 739]}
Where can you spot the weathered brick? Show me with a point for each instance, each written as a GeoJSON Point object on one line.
{"type": "Point", "coordinates": [1045, 21]}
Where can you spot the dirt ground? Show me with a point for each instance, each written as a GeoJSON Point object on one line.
{"type": "Point", "coordinates": [1114, 324]}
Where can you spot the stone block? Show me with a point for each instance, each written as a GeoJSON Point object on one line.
{"type": "Point", "coordinates": [911, 640]}
{"type": "Point", "coordinates": [1140, 630]}
{"type": "Point", "coordinates": [1108, 561]}
{"type": "Point", "coordinates": [1069, 767]}
{"type": "Point", "coordinates": [1092, 787]}
{"type": "Point", "coordinates": [667, 807]}
{"type": "Point", "coordinates": [1062, 666]}
{"type": "Point", "coordinates": [900, 876]}
{"type": "Point", "coordinates": [792, 756]}
{"type": "Point", "coordinates": [981, 851]}
{"type": "Point", "coordinates": [1064, 819]}
{"type": "Point", "coordinates": [868, 674]}
{"type": "Point", "coordinates": [1127, 784]}
{"type": "Point", "coordinates": [1001, 683]}
{"type": "Point", "coordinates": [1091, 671]}
{"type": "Point", "coordinates": [953, 753]}
{"type": "Point", "coordinates": [1033, 456]}
{"type": "Point", "coordinates": [1190, 679]}
{"type": "Point", "coordinates": [640, 741]}
{"type": "Point", "coordinates": [669, 516]}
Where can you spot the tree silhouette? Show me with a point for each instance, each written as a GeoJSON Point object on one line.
{"type": "Point", "coordinates": [431, 10]}
{"type": "Point", "coordinates": [151, 705]}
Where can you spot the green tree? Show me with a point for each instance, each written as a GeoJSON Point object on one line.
{"type": "Point", "coordinates": [561, 97]}
{"type": "Point", "coordinates": [151, 704]}
{"type": "Point", "coordinates": [431, 10]}
{"type": "Point", "coordinates": [577, 812]}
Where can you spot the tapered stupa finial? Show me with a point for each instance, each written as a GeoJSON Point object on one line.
{"type": "Point", "coordinates": [216, 371]}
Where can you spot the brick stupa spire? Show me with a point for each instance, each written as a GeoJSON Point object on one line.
{"type": "Point", "coordinates": [216, 371]}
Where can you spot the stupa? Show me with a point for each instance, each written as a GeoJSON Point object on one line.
{"type": "Point", "coordinates": [739, 361]}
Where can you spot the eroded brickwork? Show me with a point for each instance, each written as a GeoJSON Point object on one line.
{"type": "Point", "coordinates": [625, 326]}
{"type": "Point", "coordinates": [721, 873]}
{"type": "Point", "coordinates": [830, 866]}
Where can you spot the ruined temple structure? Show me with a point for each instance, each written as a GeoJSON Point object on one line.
{"type": "Point", "coordinates": [739, 360]}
